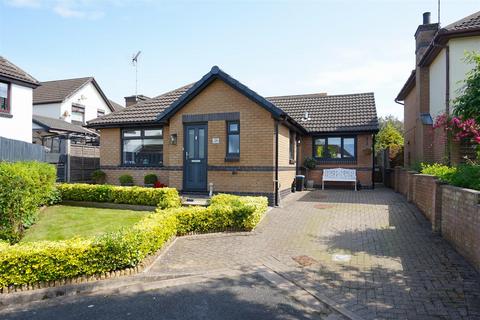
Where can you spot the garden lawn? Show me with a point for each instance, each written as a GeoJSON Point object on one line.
{"type": "Point", "coordinates": [65, 222]}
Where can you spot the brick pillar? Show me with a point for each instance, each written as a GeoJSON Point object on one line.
{"type": "Point", "coordinates": [437, 207]}
{"type": "Point", "coordinates": [411, 185]}
{"type": "Point", "coordinates": [396, 178]}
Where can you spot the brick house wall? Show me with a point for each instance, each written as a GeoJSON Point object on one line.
{"type": "Point", "coordinates": [253, 173]}
{"type": "Point", "coordinates": [363, 164]}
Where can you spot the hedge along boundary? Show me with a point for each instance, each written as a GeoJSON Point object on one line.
{"type": "Point", "coordinates": [158, 197]}
{"type": "Point", "coordinates": [31, 265]}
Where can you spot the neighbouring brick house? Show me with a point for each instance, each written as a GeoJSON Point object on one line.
{"type": "Point", "coordinates": [219, 132]}
{"type": "Point", "coordinates": [433, 85]}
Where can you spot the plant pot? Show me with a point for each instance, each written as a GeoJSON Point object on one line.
{"type": "Point", "coordinates": [127, 185]}
{"type": "Point", "coordinates": [309, 184]}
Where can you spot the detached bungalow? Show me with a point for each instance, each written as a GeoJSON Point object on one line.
{"type": "Point", "coordinates": [217, 133]}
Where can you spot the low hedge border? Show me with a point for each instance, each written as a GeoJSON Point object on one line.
{"type": "Point", "coordinates": [27, 264]}
{"type": "Point", "coordinates": [159, 197]}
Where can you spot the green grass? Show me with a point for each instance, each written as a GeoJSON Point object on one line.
{"type": "Point", "coordinates": [65, 222]}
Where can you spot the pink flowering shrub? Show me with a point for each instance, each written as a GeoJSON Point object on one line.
{"type": "Point", "coordinates": [458, 128]}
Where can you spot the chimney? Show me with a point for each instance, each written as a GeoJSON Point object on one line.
{"type": "Point", "coordinates": [424, 35]}
{"type": "Point", "coordinates": [131, 100]}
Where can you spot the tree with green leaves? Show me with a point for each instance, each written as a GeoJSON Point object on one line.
{"type": "Point", "coordinates": [388, 137]}
{"type": "Point", "coordinates": [467, 104]}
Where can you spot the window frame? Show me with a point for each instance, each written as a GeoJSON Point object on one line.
{"type": "Point", "coordinates": [232, 156]}
{"type": "Point", "coordinates": [327, 157]}
{"type": "Point", "coordinates": [8, 111]}
{"type": "Point", "coordinates": [141, 137]}
{"type": "Point", "coordinates": [292, 146]}
{"type": "Point", "coordinates": [79, 108]}
{"type": "Point", "coordinates": [100, 113]}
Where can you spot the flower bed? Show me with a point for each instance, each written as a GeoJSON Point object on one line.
{"type": "Point", "coordinates": [28, 263]}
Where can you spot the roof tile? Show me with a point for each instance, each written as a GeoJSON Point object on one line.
{"type": "Point", "coordinates": [9, 70]}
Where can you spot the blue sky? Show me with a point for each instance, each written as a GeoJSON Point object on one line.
{"type": "Point", "coordinates": [274, 47]}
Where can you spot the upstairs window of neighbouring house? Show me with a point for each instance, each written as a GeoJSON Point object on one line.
{"type": "Point", "coordinates": [233, 139]}
{"type": "Point", "coordinates": [142, 147]}
{"type": "Point", "coordinates": [78, 114]}
{"type": "Point", "coordinates": [334, 148]}
{"type": "Point", "coordinates": [292, 146]}
{"type": "Point", "coordinates": [4, 98]}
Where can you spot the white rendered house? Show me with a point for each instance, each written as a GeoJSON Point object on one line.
{"type": "Point", "coordinates": [16, 88]}
{"type": "Point", "coordinates": [72, 100]}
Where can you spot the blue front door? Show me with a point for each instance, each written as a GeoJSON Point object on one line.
{"type": "Point", "coordinates": [195, 158]}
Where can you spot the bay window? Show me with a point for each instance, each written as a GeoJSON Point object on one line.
{"type": "Point", "coordinates": [334, 148]}
{"type": "Point", "coordinates": [142, 147]}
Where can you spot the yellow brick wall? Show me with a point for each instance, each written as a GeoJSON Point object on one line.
{"type": "Point", "coordinates": [256, 139]}
{"type": "Point", "coordinates": [110, 147]}
{"type": "Point", "coordinates": [286, 172]}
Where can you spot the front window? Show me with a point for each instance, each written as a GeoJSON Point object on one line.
{"type": "Point", "coordinates": [142, 147]}
{"type": "Point", "coordinates": [233, 139]}
{"type": "Point", "coordinates": [334, 148]}
{"type": "Point", "coordinates": [78, 114]}
{"type": "Point", "coordinates": [4, 98]}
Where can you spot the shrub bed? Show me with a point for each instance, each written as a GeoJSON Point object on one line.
{"type": "Point", "coordinates": [463, 175]}
{"type": "Point", "coordinates": [27, 263]}
{"type": "Point", "coordinates": [24, 187]}
{"type": "Point", "coordinates": [161, 197]}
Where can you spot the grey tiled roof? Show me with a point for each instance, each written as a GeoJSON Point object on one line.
{"type": "Point", "coordinates": [58, 90]}
{"type": "Point", "coordinates": [335, 113]}
{"type": "Point", "coordinates": [116, 106]}
{"type": "Point", "coordinates": [142, 112]}
{"type": "Point", "coordinates": [352, 112]}
{"type": "Point", "coordinates": [11, 71]}
{"type": "Point", "coordinates": [470, 22]}
{"type": "Point", "coordinates": [60, 125]}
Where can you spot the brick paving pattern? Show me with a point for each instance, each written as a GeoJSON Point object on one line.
{"type": "Point", "coordinates": [369, 251]}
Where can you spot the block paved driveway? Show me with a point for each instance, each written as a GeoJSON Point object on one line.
{"type": "Point", "coordinates": [370, 252]}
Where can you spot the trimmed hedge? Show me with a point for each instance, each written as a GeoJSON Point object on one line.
{"type": "Point", "coordinates": [24, 187]}
{"type": "Point", "coordinates": [225, 212]}
{"type": "Point", "coordinates": [31, 262]}
{"type": "Point", "coordinates": [27, 263]}
{"type": "Point", "coordinates": [161, 197]}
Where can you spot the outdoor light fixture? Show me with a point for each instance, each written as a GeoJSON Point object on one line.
{"type": "Point", "coordinates": [173, 139]}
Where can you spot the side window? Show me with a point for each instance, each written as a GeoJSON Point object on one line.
{"type": "Point", "coordinates": [233, 139]}
{"type": "Point", "coordinates": [4, 98]}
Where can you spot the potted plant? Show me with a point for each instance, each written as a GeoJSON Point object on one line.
{"type": "Point", "coordinates": [126, 180]}
{"type": "Point", "coordinates": [309, 163]}
{"type": "Point", "coordinates": [149, 180]}
{"type": "Point", "coordinates": [99, 177]}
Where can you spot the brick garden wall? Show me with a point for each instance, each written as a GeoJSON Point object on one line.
{"type": "Point", "coordinates": [461, 221]}
{"type": "Point", "coordinates": [454, 212]}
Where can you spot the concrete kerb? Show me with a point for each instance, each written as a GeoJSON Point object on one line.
{"type": "Point", "coordinates": [281, 271]}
